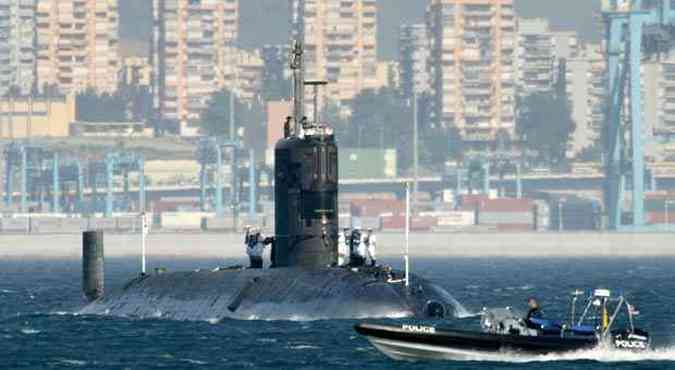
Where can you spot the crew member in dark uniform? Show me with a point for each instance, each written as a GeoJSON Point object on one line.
{"type": "Point", "coordinates": [356, 254]}
{"type": "Point", "coordinates": [534, 312]}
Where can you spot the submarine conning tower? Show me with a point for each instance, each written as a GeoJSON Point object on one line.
{"type": "Point", "coordinates": [306, 185]}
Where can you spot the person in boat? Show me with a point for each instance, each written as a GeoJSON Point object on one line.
{"type": "Point", "coordinates": [255, 246]}
{"type": "Point", "coordinates": [343, 247]}
{"type": "Point", "coordinates": [370, 242]}
{"type": "Point", "coordinates": [533, 312]}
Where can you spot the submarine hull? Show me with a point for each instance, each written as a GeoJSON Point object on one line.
{"type": "Point", "coordinates": [277, 294]}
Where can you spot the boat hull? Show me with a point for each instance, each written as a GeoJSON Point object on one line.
{"type": "Point", "coordinates": [410, 342]}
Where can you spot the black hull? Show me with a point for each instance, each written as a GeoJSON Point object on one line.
{"type": "Point", "coordinates": [415, 343]}
{"type": "Point", "coordinates": [268, 294]}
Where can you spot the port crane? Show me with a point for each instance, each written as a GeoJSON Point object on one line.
{"type": "Point", "coordinates": [635, 29]}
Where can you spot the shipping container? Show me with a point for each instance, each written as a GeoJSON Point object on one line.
{"type": "Point", "coordinates": [511, 218]}
{"type": "Point", "coordinates": [397, 223]}
{"type": "Point", "coordinates": [514, 227]}
{"type": "Point", "coordinates": [574, 214]}
{"type": "Point", "coordinates": [357, 163]}
{"type": "Point", "coordinates": [364, 223]}
{"type": "Point", "coordinates": [456, 219]}
{"type": "Point", "coordinates": [377, 207]}
{"type": "Point", "coordinates": [661, 217]}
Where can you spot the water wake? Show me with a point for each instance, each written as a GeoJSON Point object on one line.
{"type": "Point", "coordinates": [460, 311]}
{"type": "Point", "coordinates": [600, 354]}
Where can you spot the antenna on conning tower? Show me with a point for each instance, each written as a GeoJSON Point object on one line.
{"type": "Point", "coordinates": [298, 67]}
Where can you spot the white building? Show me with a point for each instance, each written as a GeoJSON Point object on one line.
{"type": "Point", "coordinates": [17, 50]}
{"type": "Point", "coordinates": [586, 90]}
{"type": "Point", "coordinates": [537, 59]}
{"type": "Point", "coordinates": [192, 56]}
{"type": "Point", "coordinates": [340, 39]}
{"type": "Point", "coordinates": [77, 45]}
{"type": "Point", "coordinates": [473, 66]}
{"type": "Point", "coordinates": [414, 58]}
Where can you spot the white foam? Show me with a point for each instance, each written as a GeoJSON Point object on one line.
{"type": "Point", "coordinates": [73, 362]}
{"type": "Point", "coordinates": [194, 362]}
{"type": "Point", "coordinates": [303, 346]}
{"type": "Point", "coordinates": [460, 311]}
{"type": "Point", "coordinates": [599, 354]}
{"type": "Point", "coordinates": [29, 331]}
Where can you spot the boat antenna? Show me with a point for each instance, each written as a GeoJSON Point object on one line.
{"type": "Point", "coordinates": [298, 67]}
{"type": "Point", "coordinates": [145, 230]}
{"type": "Point", "coordinates": [407, 235]}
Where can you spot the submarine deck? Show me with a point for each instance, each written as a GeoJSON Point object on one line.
{"type": "Point", "coordinates": [270, 294]}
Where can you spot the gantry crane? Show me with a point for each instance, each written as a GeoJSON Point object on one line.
{"type": "Point", "coordinates": [635, 29]}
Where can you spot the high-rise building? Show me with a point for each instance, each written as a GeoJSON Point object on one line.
{"type": "Point", "coordinates": [537, 59]}
{"type": "Point", "coordinates": [277, 74]}
{"type": "Point", "coordinates": [658, 89]}
{"type": "Point", "coordinates": [598, 88]}
{"type": "Point", "coordinates": [192, 56]}
{"type": "Point", "coordinates": [566, 44]}
{"type": "Point", "coordinates": [136, 71]}
{"type": "Point", "coordinates": [77, 45]}
{"type": "Point", "coordinates": [340, 39]}
{"type": "Point", "coordinates": [414, 57]}
{"type": "Point", "coordinates": [17, 50]}
{"type": "Point", "coordinates": [473, 66]}
{"type": "Point", "coordinates": [586, 87]}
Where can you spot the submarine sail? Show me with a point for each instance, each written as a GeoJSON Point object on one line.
{"type": "Point", "coordinates": [306, 188]}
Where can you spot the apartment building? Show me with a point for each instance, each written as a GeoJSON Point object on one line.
{"type": "Point", "coordinates": [414, 58]}
{"type": "Point", "coordinates": [136, 71]}
{"type": "Point", "coordinates": [658, 78]}
{"type": "Point", "coordinates": [340, 39]}
{"type": "Point", "coordinates": [192, 56]}
{"type": "Point", "coordinates": [473, 46]}
{"type": "Point", "coordinates": [17, 50]}
{"type": "Point", "coordinates": [249, 72]}
{"type": "Point", "coordinates": [586, 85]}
{"type": "Point", "coordinates": [537, 60]}
{"type": "Point", "coordinates": [567, 44]}
{"type": "Point", "coordinates": [77, 45]}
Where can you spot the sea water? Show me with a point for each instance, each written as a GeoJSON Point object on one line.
{"type": "Point", "coordinates": [40, 327]}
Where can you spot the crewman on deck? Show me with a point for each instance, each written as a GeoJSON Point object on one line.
{"type": "Point", "coordinates": [357, 253]}
{"type": "Point", "coordinates": [255, 247]}
{"type": "Point", "coordinates": [370, 242]}
{"type": "Point", "coordinates": [343, 247]}
{"type": "Point", "coordinates": [534, 312]}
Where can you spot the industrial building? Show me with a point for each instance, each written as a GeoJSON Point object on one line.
{"type": "Point", "coordinates": [473, 66]}
{"type": "Point", "coordinates": [17, 46]}
{"type": "Point", "coordinates": [36, 117]}
{"type": "Point", "coordinates": [192, 56]}
{"type": "Point", "coordinates": [340, 38]}
{"type": "Point", "coordinates": [77, 45]}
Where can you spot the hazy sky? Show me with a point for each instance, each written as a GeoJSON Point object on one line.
{"type": "Point", "coordinates": [266, 21]}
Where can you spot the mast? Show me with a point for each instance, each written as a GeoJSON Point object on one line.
{"type": "Point", "coordinates": [298, 67]}
{"type": "Point", "coordinates": [407, 234]}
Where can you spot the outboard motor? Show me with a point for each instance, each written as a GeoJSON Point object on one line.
{"type": "Point", "coordinates": [306, 189]}
{"type": "Point", "coordinates": [435, 310]}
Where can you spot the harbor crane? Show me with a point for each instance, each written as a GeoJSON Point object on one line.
{"type": "Point", "coordinates": [635, 29]}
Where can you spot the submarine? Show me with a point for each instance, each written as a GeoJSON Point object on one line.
{"type": "Point", "coordinates": [304, 281]}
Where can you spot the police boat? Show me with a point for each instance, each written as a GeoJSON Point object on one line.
{"type": "Point", "coordinates": [505, 331]}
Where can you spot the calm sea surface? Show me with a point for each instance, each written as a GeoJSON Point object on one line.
{"type": "Point", "coordinates": [39, 327]}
